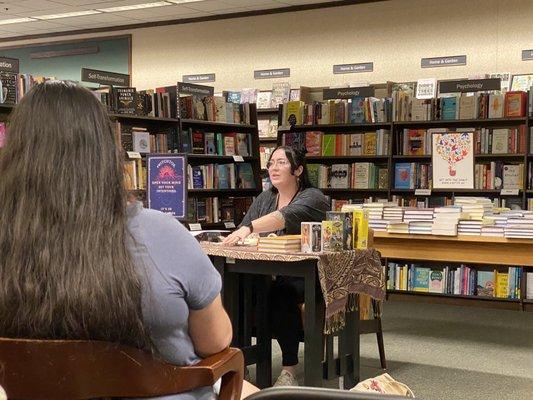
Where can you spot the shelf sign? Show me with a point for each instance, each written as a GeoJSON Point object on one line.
{"type": "Point", "coordinates": [167, 184]}
{"type": "Point", "coordinates": [9, 65]}
{"type": "Point", "coordinates": [527, 55]}
{"type": "Point", "coordinates": [353, 68]}
{"type": "Point", "coordinates": [451, 61]}
{"type": "Point", "coordinates": [229, 225]}
{"type": "Point", "coordinates": [272, 73]}
{"type": "Point", "coordinates": [195, 90]}
{"type": "Point", "coordinates": [104, 77]}
{"type": "Point", "coordinates": [422, 192]}
{"type": "Point", "coordinates": [198, 78]}
{"type": "Point", "coordinates": [195, 227]}
{"type": "Point", "coordinates": [470, 85]}
{"type": "Point", "coordinates": [133, 154]}
{"type": "Point", "coordinates": [348, 93]}
{"type": "Point", "coordinates": [238, 159]}
{"type": "Point", "coordinates": [510, 192]}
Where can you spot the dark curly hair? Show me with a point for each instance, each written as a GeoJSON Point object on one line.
{"type": "Point", "coordinates": [297, 158]}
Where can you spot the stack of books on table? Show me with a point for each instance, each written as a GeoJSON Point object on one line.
{"type": "Point", "coordinates": [398, 227]}
{"type": "Point", "coordinates": [393, 213]}
{"type": "Point", "coordinates": [476, 207]}
{"type": "Point", "coordinates": [473, 227]}
{"type": "Point", "coordinates": [420, 227]}
{"type": "Point", "coordinates": [375, 216]}
{"type": "Point", "coordinates": [418, 214]}
{"type": "Point", "coordinates": [519, 228]}
{"type": "Point", "coordinates": [445, 220]}
{"type": "Point", "coordinates": [280, 244]}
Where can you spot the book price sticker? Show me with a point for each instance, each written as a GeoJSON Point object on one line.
{"type": "Point", "coordinates": [238, 159]}
{"type": "Point", "coordinates": [422, 192]}
{"type": "Point", "coordinates": [229, 225]}
{"type": "Point", "coordinates": [133, 154]}
{"type": "Point", "coordinates": [195, 227]}
{"type": "Point", "coordinates": [509, 192]}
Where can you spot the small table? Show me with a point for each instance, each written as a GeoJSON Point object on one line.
{"type": "Point", "coordinates": [238, 262]}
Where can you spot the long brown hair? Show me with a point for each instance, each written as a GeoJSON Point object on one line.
{"type": "Point", "coordinates": [65, 272]}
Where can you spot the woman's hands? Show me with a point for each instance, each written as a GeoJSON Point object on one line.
{"type": "Point", "coordinates": [239, 235]}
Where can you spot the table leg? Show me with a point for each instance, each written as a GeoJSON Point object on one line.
{"type": "Point", "coordinates": [263, 333]}
{"type": "Point", "coordinates": [351, 350]}
{"type": "Point", "coordinates": [313, 330]}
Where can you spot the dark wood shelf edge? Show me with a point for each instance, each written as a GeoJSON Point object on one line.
{"type": "Point", "coordinates": [456, 300]}
{"type": "Point", "coordinates": [213, 124]}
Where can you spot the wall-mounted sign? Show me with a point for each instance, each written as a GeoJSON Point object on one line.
{"type": "Point", "coordinates": [104, 77]}
{"type": "Point", "coordinates": [198, 78]}
{"type": "Point", "coordinates": [167, 184]}
{"type": "Point", "coordinates": [9, 65]}
{"type": "Point", "coordinates": [470, 85]}
{"type": "Point", "coordinates": [195, 90]}
{"type": "Point", "coordinates": [443, 61]}
{"type": "Point", "coordinates": [272, 73]}
{"type": "Point", "coordinates": [348, 93]}
{"type": "Point", "coordinates": [527, 55]}
{"type": "Point", "coordinates": [353, 68]}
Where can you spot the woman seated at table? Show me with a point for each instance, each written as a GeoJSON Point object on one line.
{"type": "Point", "coordinates": [77, 262]}
{"type": "Point", "coordinates": [282, 209]}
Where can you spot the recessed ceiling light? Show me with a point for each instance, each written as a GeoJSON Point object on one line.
{"type": "Point", "coordinates": [16, 20]}
{"type": "Point", "coordinates": [135, 6]}
{"type": "Point", "coordinates": [67, 15]}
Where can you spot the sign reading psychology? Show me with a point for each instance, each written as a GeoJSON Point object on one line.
{"type": "Point", "coordinates": [470, 85]}
{"type": "Point", "coordinates": [348, 93]}
{"type": "Point", "coordinates": [198, 78]}
{"type": "Point", "coordinates": [453, 159]}
{"type": "Point", "coordinates": [9, 65]}
{"type": "Point", "coordinates": [167, 184]}
{"type": "Point", "coordinates": [272, 73]}
{"type": "Point", "coordinates": [195, 90]}
{"type": "Point", "coordinates": [443, 61]}
{"type": "Point", "coordinates": [104, 77]}
{"type": "Point", "coordinates": [353, 68]}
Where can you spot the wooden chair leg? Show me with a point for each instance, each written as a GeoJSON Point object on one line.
{"type": "Point", "coordinates": [376, 307]}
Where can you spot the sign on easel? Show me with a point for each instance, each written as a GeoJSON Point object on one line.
{"type": "Point", "coordinates": [167, 184]}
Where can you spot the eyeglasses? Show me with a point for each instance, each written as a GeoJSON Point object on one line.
{"type": "Point", "coordinates": [280, 163]}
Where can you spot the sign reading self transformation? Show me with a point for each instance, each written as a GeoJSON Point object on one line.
{"type": "Point", "coordinates": [104, 77]}
{"type": "Point", "coordinates": [167, 184]}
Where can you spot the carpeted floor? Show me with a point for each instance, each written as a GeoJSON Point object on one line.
{"type": "Point", "coordinates": [445, 352]}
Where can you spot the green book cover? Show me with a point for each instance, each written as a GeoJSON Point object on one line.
{"type": "Point", "coordinates": [421, 280]}
{"type": "Point", "coordinates": [328, 145]}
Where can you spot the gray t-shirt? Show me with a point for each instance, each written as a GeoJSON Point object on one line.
{"type": "Point", "coordinates": [309, 205]}
{"type": "Point", "coordinates": [177, 276]}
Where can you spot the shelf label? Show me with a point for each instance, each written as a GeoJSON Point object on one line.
{"type": "Point", "coordinates": [238, 159]}
{"type": "Point", "coordinates": [510, 192]}
{"type": "Point", "coordinates": [353, 68]}
{"type": "Point", "coordinates": [230, 260]}
{"type": "Point", "coordinates": [348, 93]}
{"type": "Point", "coordinates": [470, 85]}
{"type": "Point", "coordinates": [422, 192]}
{"type": "Point", "coordinates": [447, 61]}
{"type": "Point", "coordinates": [9, 65]}
{"type": "Point", "coordinates": [104, 77]}
{"type": "Point", "coordinates": [229, 225]}
{"type": "Point", "coordinates": [195, 227]}
{"type": "Point", "coordinates": [198, 78]}
{"type": "Point", "coordinates": [133, 154]}
{"type": "Point", "coordinates": [195, 90]}
{"type": "Point", "coordinates": [527, 55]}
{"type": "Point", "coordinates": [272, 73]}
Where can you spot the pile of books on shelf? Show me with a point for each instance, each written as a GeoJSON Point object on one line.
{"type": "Point", "coordinates": [361, 175]}
{"type": "Point", "coordinates": [221, 176]}
{"type": "Point", "coordinates": [520, 227]}
{"type": "Point", "coordinates": [147, 140]}
{"type": "Point", "coordinates": [13, 86]}
{"type": "Point", "coordinates": [457, 280]}
{"type": "Point", "coordinates": [215, 209]}
{"type": "Point", "coordinates": [197, 141]}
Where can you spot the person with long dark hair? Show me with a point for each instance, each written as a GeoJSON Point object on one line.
{"type": "Point", "coordinates": [76, 260]}
{"type": "Point", "coordinates": [290, 201]}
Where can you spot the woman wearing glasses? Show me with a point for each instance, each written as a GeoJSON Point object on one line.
{"type": "Point", "coordinates": [290, 201]}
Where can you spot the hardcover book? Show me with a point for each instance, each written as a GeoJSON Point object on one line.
{"type": "Point", "coordinates": [125, 100]}
{"type": "Point", "coordinates": [402, 176]}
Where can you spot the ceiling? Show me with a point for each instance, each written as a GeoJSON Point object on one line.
{"type": "Point", "coordinates": [97, 14]}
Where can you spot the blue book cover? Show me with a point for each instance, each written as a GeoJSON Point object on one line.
{"type": "Point", "coordinates": [421, 279]}
{"type": "Point", "coordinates": [357, 110]}
{"type": "Point", "coordinates": [449, 108]}
{"type": "Point", "coordinates": [402, 176]}
{"type": "Point", "coordinates": [197, 178]}
{"type": "Point", "coordinates": [223, 176]}
{"type": "Point", "coordinates": [167, 184]}
{"type": "Point", "coordinates": [245, 176]}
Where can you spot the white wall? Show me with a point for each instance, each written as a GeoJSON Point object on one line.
{"type": "Point", "coordinates": [393, 34]}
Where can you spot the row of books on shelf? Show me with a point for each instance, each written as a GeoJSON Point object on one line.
{"type": "Point", "coordinates": [264, 155]}
{"type": "Point", "coordinates": [267, 126]}
{"type": "Point", "coordinates": [477, 105]}
{"type": "Point", "coordinates": [221, 144]}
{"type": "Point", "coordinates": [143, 140]}
{"type": "Point", "coordinates": [135, 174]}
{"type": "Point", "coordinates": [13, 86]}
{"type": "Point", "coordinates": [362, 175]}
{"type": "Point", "coordinates": [221, 176]}
{"type": "Point", "coordinates": [217, 209]}
{"type": "Point", "coordinates": [353, 111]}
{"type": "Point", "coordinates": [418, 142]}
{"type": "Point", "coordinates": [281, 92]}
{"type": "Point", "coordinates": [165, 102]}
{"type": "Point", "coordinates": [462, 280]}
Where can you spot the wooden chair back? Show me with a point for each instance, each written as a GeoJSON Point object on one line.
{"type": "Point", "coordinates": [75, 369]}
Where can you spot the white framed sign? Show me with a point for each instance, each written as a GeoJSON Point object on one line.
{"type": "Point", "coordinates": [453, 159]}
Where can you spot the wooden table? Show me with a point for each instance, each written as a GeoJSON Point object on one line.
{"type": "Point", "coordinates": [233, 270]}
{"type": "Point", "coordinates": [462, 249]}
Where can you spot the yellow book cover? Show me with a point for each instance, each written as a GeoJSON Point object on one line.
{"type": "Point", "coordinates": [332, 232]}
{"type": "Point", "coordinates": [294, 113]}
{"type": "Point", "coordinates": [369, 143]}
{"type": "Point", "coordinates": [360, 229]}
{"type": "Point", "coordinates": [502, 281]}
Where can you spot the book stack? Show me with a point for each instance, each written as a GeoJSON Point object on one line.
{"type": "Point", "coordinates": [473, 227]}
{"type": "Point", "coordinates": [445, 221]}
{"type": "Point", "coordinates": [476, 207]}
{"type": "Point", "coordinates": [398, 227]}
{"type": "Point", "coordinates": [420, 227]}
{"type": "Point", "coordinates": [393, 213]}
{"type": "Point", "coordinates": [519, 228]}
{"type": "Point", "coordinates": [418, 214]}
{"type": "Point", "coordinates": [280, 244]}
